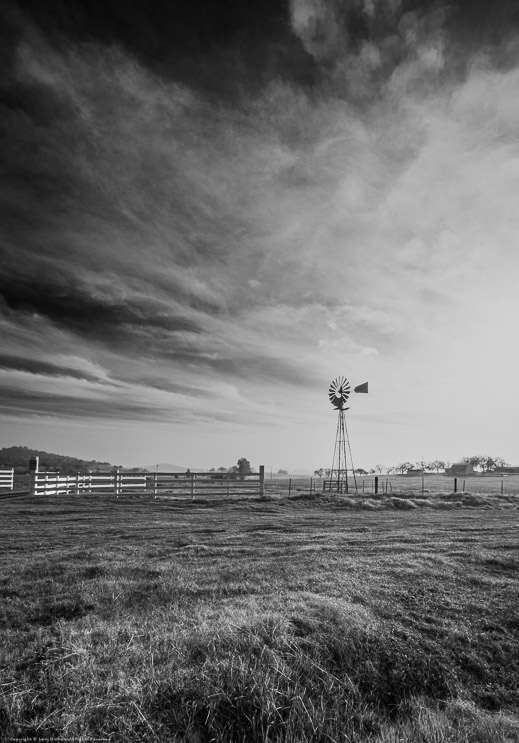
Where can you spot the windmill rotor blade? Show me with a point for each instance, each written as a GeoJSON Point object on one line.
{"type": "Point", "coordinates": [361, 387]}
{"type": "Point", "coordinates": [339, 391]}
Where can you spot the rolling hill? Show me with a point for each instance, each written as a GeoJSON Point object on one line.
{"type": "Point", "coordinates": [18, 457]}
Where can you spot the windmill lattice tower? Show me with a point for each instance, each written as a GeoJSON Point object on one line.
{"type": "Point", "coordinates": [338, 394]}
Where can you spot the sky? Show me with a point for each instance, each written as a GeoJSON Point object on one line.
{"type": "Point", "coordinates": [210, 210]}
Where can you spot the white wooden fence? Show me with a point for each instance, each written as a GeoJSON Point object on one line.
{"type": "Point", "coordinates": [7, 479]}
{"type": "Point", "coordinates": [52, 483]}
{"type": "Point", "coordinates": [157, 483]}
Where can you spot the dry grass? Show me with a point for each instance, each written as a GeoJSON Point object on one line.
{"type": "Point", "coordinates": [290, 620]}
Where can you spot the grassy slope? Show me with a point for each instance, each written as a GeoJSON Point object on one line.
{"type": "Point", "coordinates": [282, 621]}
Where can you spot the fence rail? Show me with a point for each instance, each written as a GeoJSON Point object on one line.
{"type": "Point", "coordinates": [208, 483]}
{"type": "Point", "coordinates": [52, 483]}
{"type": "Point", "coordinates": [156, 483]}
{"type": "Point", "coordinates": [7, 479]}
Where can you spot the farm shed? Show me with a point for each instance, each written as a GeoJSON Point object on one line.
{"type": "Point", "coordinates": [461, 469]}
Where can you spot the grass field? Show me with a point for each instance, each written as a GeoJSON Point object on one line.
{"type": "Point", "coordinates": [304, 619]}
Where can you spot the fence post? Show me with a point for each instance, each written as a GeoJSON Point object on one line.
{"type": "Point", "coordinates": [423, 487]}
{"type": "Point", "coordinates": [376, 484]}
{"type": "Point", "coordinates": [192, 485]}
{"type": "Point", "coordinates": [289, 487]}
{"type": "Point", "coordinates": [501, 487]}
{"type": "Point", "coordinates": [33, 474]}
{"type": "Point", "coordinates": [262, 480]}
{"type": "Point", "coordinates": [463, 485]}
{"type": "Point", "coordinates": [155, 484]}
{"type": "Point", "coordinates": [311, 483]}
{"type": "Point", "coordinates": [455, 484]}
{"type": "Point", "coordinates": [116, 483]}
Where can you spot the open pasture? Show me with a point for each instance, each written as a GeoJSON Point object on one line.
{"type": "Point", "coordinates": [434, 484]}
{"type": "Point", "coordinates": [440, 483]}
{"type": "Point", "coordinates": [305, 619]}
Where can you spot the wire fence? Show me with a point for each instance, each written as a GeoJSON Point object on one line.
{"type": "Point", "coordinates": [396, 485]}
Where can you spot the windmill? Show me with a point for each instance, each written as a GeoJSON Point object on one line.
{"type": "Point", "coordinates": [338, 394]}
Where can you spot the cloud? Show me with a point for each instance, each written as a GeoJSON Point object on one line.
{"type": "Point", "coordinates": [54, 368]}
{"type": "Point", "coordinates": [168, 250]}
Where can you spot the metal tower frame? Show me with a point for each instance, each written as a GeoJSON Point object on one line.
{"type": "Point", "coordinates": [341, 452]}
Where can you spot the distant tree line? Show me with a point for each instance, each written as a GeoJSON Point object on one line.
{"type": "Point", "coordinates": [438, 465]}
{"type": "Point", "coordinates": [481, 463]}
{"type": "Point", "coordinates": [239, 470]}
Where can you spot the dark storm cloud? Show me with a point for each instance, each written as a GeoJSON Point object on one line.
{"type": "Point", "coordinates": [220, 47]}
{"type": "Point", "coordinates": [213, 46]}
{"type": "Point", "coordinates": [37, 366]}
{"type": "Point", "coordinates": [70, 305]}
{"type": "Point", "coordinates": [19, 402]}
{"type": "Point", "coordinates": [359, 45]}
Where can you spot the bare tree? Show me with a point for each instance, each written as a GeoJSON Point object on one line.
{"type": "Point", "coordinates": [484, 462]}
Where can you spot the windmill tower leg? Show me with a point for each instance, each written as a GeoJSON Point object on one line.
{"type": "Point", "coordinates": [341, 452]}
{"type": "Point", "coordinates": [339, 471]}
{"type": "Point", "coordinates": [347, 440]}
{"type": "Point", "coordinates": [336, 456]}
{"type": "Point", "coordinates": [343, 465]}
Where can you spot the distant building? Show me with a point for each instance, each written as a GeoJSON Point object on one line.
{"type": "Point", "coordinates": [415, 473]}
{"type": "Point", "coordinates": [461, 469]}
